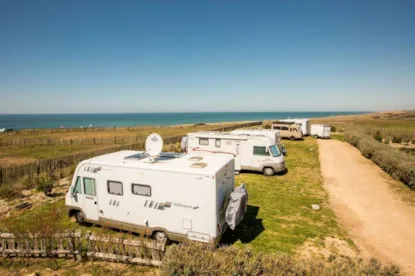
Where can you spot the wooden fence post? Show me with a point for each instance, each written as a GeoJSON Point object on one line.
{"type": "Point", "coordinates": [1, 175]}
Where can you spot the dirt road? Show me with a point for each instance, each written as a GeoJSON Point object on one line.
{"type": "Point", "coordinates": [362, 195]}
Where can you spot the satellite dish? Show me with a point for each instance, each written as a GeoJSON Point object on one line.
{"type": "Point", "coordinates": [154, 144]}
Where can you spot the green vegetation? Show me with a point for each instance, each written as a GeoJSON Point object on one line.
{"type": "Point", "coordinates": [400, 165]}
{"type": "Point", "coordinates": [45, 183]}
{"type": "Point", "coordinates": [200, 259]}
{"type": "Point", "coordinates": [279, 215]}
{"type": "Point", "coordinates": [339, 137]}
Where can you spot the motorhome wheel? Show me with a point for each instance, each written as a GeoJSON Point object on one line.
{"type": "Point", "coordinates": [161, 237]}
{"type": "Point", "coordinates": [315, 136]}
{"type": "Point", "coordinates": [79, 218]}
{"type": "Point", "coordinates": [292, 138]}
{"type": "Point", "coordinates": [268, 171]}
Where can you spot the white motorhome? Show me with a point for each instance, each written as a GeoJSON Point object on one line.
{"type": "Point", "coordinates": [305, 124]}
{"type": "Point", "coordinates": [169, 197]}
{"type": "Point", "coordinates": [273, 133]}
{"type": "Point", "coordinates": [251, 152]}
{"type": "Point", "coordinates": [320, 131]}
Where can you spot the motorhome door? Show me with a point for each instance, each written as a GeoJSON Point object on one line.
{"type": "Point", "coordinates": [90, 198]}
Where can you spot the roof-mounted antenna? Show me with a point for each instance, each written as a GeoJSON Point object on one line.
{"type": "Point", "coordinates": [154, 146]}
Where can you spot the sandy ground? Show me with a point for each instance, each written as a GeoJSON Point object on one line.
{"type": "Point", "coordinates": [380, 223]}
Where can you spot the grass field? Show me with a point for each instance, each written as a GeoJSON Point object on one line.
{"type": "Point", "coordinates": [280, 217]}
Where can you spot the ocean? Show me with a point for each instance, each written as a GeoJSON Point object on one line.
{"type": "Point", "coordinates": [28, 121]}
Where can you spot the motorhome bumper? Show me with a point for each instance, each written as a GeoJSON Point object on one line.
{"type": "Point", "coordinates": [278, 167]}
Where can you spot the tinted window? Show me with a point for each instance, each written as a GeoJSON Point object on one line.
{"type": "Point", "coordinates": [77, 189]}
{"type": "Point", "coordinates": [139, 189]}
{"type": "Point", "coordinates": [114, 187]}
{"type": "Point", "coordinates": [260, 151]}
{"type": "Point", "coordinates": [89, 186]}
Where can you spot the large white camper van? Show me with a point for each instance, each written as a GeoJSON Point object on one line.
{"type": "Point", "coordinates": [272, 133]}
{"type": "Point", "coordinates": [305, 124]}
{"type": "Point", "coordinates": [251, 152]}
{"type": "Point", "coordinates": [170, 196]}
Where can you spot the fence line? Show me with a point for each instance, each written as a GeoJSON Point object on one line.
{"type": "Point", "coordinates": [10, 175]}
{"type": "Point", "coordinates": [69, 245]}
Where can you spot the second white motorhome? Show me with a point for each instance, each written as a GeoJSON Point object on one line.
{"type": "Point", "coordinates": [273, 133]}
{"type": "Point", "coordinates": [253, 153]}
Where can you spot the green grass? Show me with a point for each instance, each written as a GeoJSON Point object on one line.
{"type": "Point", "coordinates": [280, 217]}
{"type": "Point", "coordinates": [339, 137]}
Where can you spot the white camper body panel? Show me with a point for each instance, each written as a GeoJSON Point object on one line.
{"type": "Point", "coordinates": [305, 124]}
{"type": "Point", "coordinates": [272, 133]}
{"type": "Point", "coordinates": [320, 131]}
{"type": "Point", "coordinates": [167, 195]}
{"type": "Point", "coordinates": [244, 148]}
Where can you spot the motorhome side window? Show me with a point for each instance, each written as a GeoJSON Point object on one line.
{"type": "Point", "coordinates": [89, 186]}
{"type": "Point", "coordinates": [284, 128]}
{"type": "Point", "coordinates": [217, 143]}
{"type": "Point", "coordinates": [260, 151]}
{"type": "Point", "coordinates": [77, 188]}
{"type": "Point", "coordinates": [114, 187]}
{"type": "Point", "coordinates": [203, 141]}
{"type": "Point", "coordinates": [139, 189]}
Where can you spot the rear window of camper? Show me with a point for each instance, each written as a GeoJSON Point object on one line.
{"type": "Point", "coordinates": [114, 187]}
{"type": "Point", "coordinates": [217, 143]}
{"type": "Point", "coordinates": [139, 189]}
{"type": "Point", "coordinates": [260, 151]}
{"type": "Point", "coordinates": [203, 141]}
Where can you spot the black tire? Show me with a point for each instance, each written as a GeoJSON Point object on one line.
{"type": "Point", "coordinates": [160, 236]}
{"type": "Point", "coordinates": [268, 171]}
{"type": "Point", "coordinates": [315, 136]}
{"type": "Point", "coordinates": [292, 138]}
{"type": "Point", "coordinates": [79, 218]}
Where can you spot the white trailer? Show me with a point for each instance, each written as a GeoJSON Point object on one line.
{"type": "Point", "coordinates": [320, 131]}
{"type": "Point", "coordinates": [272, 133]}
{"type": "Point", "coordinates": [173, 196]}
{"type": "Point", "coordinates": [305, 124]}
{"type": "Point", "coordinates": [254, 153]}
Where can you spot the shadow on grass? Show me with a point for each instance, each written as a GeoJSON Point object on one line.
{"type": "Point", "coordinates": [285, 171]}
{"type": "Point", "coordinates": [247, 231]}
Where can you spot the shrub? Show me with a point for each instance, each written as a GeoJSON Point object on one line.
{"type": "Point", "coordinates": [27, 183]}
{"type": "Point", "coordinates": [202, 259]}
{"type": "Point", "coordinates": [333, 129]}
{"type": "Point", "coordinates": [397, 140]}
{"type": "Point", "coordinates": [10, 192]}
{"type": "Point", "coordinates": [378, 136]}
{"type": "Point", "coordinates": [45, 183]}
{"type": "Point", "coordinates": [398, 164]}
{"type": "Point", "coordinates": [267, 126]}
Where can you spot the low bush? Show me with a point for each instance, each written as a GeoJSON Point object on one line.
{"type": "Point", "coordinates": [27, 182]}
{"type": "Point", "coordinates": [10, 192]}
{"type": "Point", "coordinates": [267, 126]}
{"type": "Point", "coordinates": [398, 164]}
{"type": "Point", "coordinates": [397, 140]}
{"type": "Point", "coordinates": [202, 259]}
{"type": "Point", "coordinates": [333, 129]}
{"type": "Point", "coordinates": [378, 136]}
{"type": "Point", "coordinates": [45, 183]}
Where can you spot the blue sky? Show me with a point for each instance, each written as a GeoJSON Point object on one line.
{"type": "Point", "coordinates": [173, 56]}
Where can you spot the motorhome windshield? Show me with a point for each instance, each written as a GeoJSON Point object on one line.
{"type": "Point", "coordinates": [275, 151]}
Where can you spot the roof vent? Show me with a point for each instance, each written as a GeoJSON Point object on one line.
{"type": "Point", "coordinates": [196, 158]}
{"type": "Point", "coordinates": [199, 165]}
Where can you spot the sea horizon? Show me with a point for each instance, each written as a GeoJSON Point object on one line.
{"type": "Point", "coordinates": [106, 120]}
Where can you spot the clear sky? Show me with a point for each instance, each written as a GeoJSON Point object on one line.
{"type": "Point", "coordinates": [167, 56]}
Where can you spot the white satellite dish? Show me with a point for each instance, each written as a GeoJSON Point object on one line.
{"type": "Point", "coordinates": [154, 145]}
